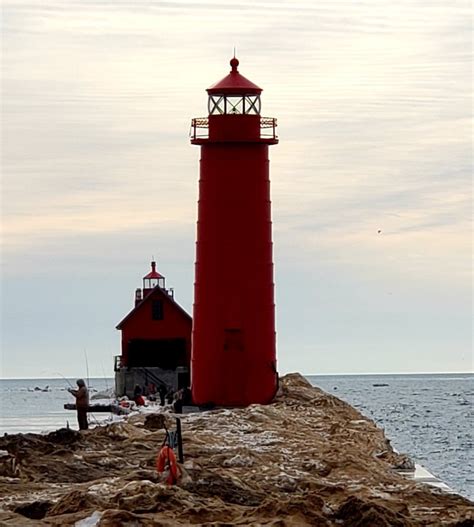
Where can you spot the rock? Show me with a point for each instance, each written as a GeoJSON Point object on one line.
{"type": "Point", "coordinates": [155, 422]}
{"type": "Point", "coordinates": [404, 463]}
{"type": "Point", "coordinates": [113, 518]}
{"type": "Point", "coordinates": [225, 489]}
{"type": "Point", "coordinates": [355, 512]}
{"type": "Point", "coordinates": [307, 459]}
{"type": "Point", "coordinates": [35, 510]}
{"type": "Point", "coordinates": [75, 501]}
{"type": "Point", "coordinates": [64, 436]}
{"type": "Point", "coordinates": [8, 465]}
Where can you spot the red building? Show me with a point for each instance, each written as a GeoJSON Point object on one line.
{"type": "Point", "coordinates": [234, 345]}
{"type": "Point", "coordinates": [156, 339]}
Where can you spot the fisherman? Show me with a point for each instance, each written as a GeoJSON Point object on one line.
{"type": "Point", "coordinates": [183, 397]}
{"type": "Point", "coordinates": [82, 403]}
{"type": "Point", "coordinates": [170, 396]}
{"type": "Point", "coordinates": [162, 391]}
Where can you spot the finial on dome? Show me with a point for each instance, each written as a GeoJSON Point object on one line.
{"type": "Point", "coordinates": [234, 63]}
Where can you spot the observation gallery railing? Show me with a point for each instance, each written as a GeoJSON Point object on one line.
{"type": "Point", "coordinates": [200, 128]}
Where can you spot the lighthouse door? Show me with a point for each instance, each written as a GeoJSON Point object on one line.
{"type": "Point", "coordinates": [233, 340]}
{"type": "Point", "coordinates": [234, 361]}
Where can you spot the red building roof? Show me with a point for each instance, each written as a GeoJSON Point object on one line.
{"type": "Point", "coordinates": [146, 300]}
{"type": "Point", "coordinates": [234, 83]}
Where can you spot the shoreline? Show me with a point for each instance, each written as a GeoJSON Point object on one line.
{"type": "Point", "coordinates": [309, 458]}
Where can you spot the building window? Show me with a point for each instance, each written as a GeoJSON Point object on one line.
{"type": "Point", "coordinates": [157, 310]}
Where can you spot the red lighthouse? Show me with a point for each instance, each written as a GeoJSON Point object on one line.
{"type": "Point", "coordinates": [233, 360]}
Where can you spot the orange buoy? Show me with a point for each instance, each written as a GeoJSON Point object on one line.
{"type": "Point", "coordinates": [166, 460]}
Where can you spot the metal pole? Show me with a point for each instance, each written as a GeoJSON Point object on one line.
{"type": "Point", "coordinates": [180, 440]}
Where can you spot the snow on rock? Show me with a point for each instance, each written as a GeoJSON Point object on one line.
{"type": "Point", "coordinates": [90, 521]}
{"type": "Point", "coordinates": [105, 394]}
{"type": "Point", "coordinates": [306, 459]}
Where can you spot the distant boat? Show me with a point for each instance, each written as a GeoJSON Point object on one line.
{"type": "Point", "coordinates": [380, 384]}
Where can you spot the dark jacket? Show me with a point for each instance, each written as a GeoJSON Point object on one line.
{"type": "Point", "coordinates": [82, 397]}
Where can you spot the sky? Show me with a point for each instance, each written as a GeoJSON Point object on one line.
{"type": "Point", "coordinates": [373, 100]}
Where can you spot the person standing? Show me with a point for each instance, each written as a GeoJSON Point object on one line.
{"type": "Point", "coordinates": [82, 403]}
{"type": "Point", "coordinates": [162, 390]}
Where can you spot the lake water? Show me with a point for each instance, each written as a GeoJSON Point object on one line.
{"type": "Point", "coordinates": [428, 417]}
{"type": "Point", "coordinates": [24, 409]}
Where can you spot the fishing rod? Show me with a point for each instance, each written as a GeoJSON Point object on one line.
{"type": "Point", "coordinates": [56, 372]}
{"type": "Point", "coordinates": [105, 378]}
{"type": "Point", "coordinates": [87, 370]}
{"type": "Point", "coordinates": [97, 422]}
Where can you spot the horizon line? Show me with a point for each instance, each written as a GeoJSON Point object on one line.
{"type": "Point", "coordinates": [303, 374]}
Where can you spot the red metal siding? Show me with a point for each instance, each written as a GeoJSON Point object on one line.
{"type": "Point", "coordinates": [140, 325]}
{"type": "Point", "coordinates": [233, 359]}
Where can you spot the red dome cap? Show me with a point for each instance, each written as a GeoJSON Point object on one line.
{"type": "Point", "coordinates": [153, 273]}
{"type": "Point", "coordinates": [234, 83]}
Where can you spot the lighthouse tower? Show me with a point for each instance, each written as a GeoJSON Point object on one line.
{"type": "Point", "coordinates": [233, 358]}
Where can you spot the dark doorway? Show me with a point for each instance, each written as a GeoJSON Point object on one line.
{"type": "Point", "coordinates": [184, 380]}
{"type": "Point", "coordinates": [166, 354]}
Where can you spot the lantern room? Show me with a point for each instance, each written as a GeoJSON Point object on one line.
{"type": "Point", "coordinates": [153, 279]}
{"type": "Point", "coordinates": [234, 96]}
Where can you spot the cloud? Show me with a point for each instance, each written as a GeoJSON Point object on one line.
{"type": "Point", "coordinates": [373, 103]}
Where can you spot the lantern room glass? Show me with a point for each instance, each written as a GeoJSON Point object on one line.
{"type": "Point", "coordinates": [150, 283]}
{"type": "Point", "coordinates": [234, 104]}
